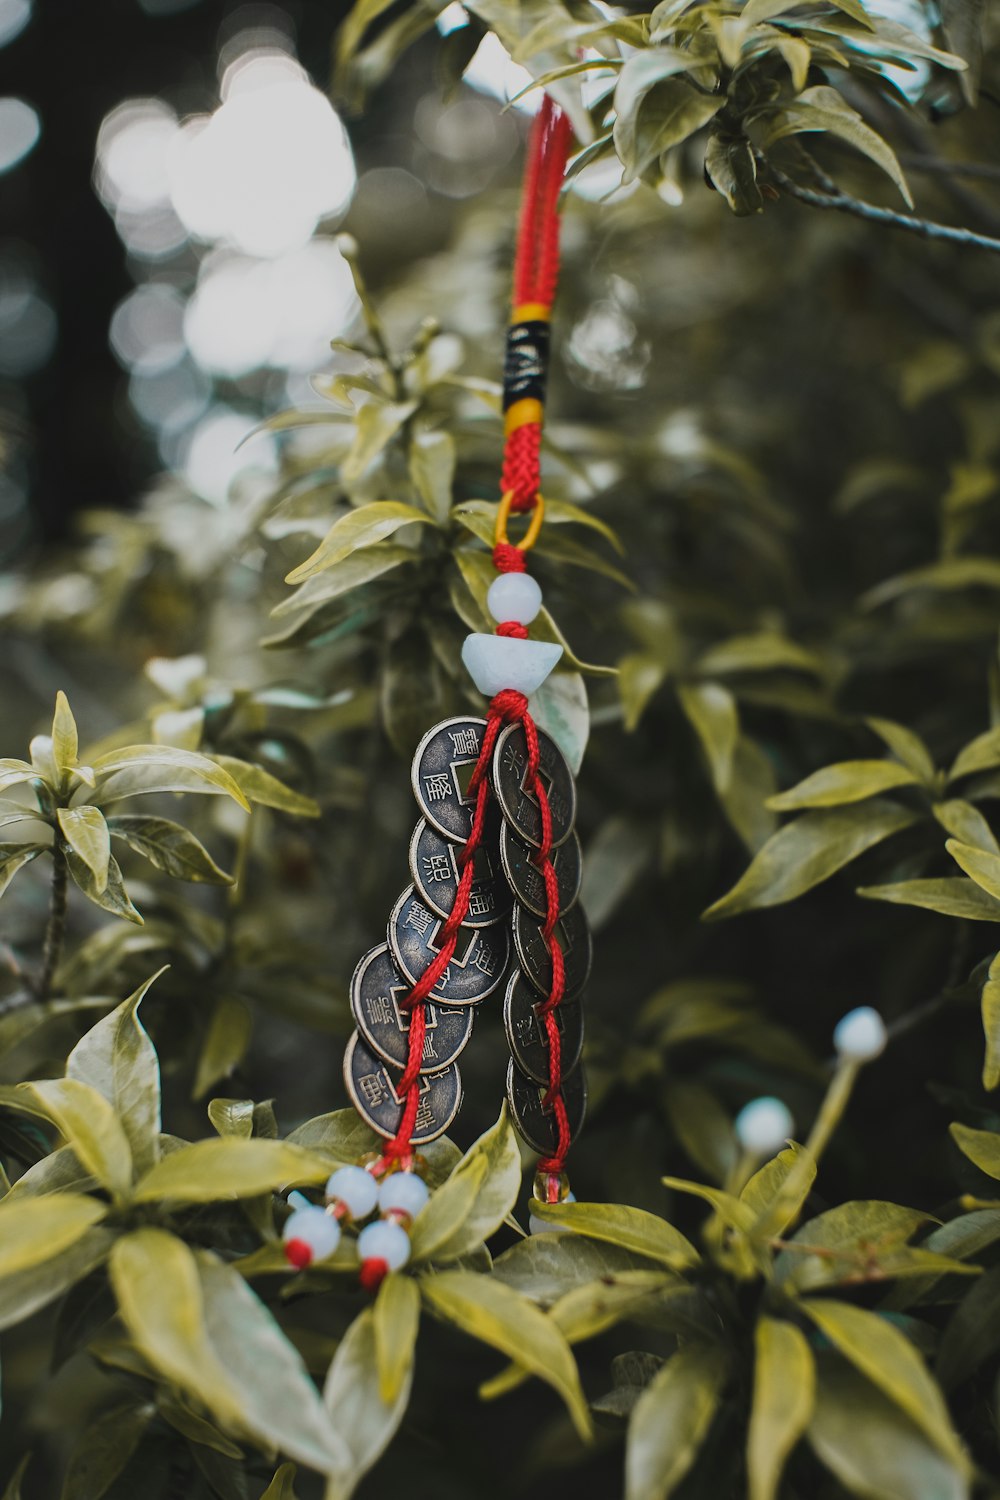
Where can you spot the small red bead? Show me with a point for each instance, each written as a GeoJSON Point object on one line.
{"type": "Point", "coordinates": [298, 1253]}
{"type": "Point", "coordinates": [373, 1272]}
{"type": "Point", "coordinates": [514, 628]}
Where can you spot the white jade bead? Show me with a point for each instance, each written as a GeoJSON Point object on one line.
{"type": "Point", "coordinates": [403, 1191]}
{"type": "Point", "coordinates": [314, 1228]}
{"type": "Point", "coordinates": [514, 596]}
{"type": "Point", "coordinates": [495, 662]}
{"type": "Point", "coordinates": [386, 1241]}
{"type": "Point", "coordinates": [356, 1189]}
{"type": "Point", "coordinates": [764, 1125]}
{"type": "Point", "coordinates": [543, 1226]}
{"type": "Point", "coordinates": [860, 1035]}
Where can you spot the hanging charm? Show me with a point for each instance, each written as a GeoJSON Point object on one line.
{"type": "Point", "coordinates": [491, 914]}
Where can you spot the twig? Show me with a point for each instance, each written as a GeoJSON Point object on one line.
{"type": "Point", "coordinates": [872, 214]}
{"type": "Point", "coordinates": [56, 927]}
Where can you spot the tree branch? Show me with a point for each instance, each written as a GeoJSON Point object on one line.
{"type": "Point", "coordinates": [872, 214]}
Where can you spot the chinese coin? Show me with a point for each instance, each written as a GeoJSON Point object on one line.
{"type": "Point", "coordinates": [376, 990]}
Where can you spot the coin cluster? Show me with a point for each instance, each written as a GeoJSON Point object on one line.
{"type": "Point", "coordinates": [500, 941]}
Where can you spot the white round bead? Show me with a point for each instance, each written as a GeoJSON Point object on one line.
{"type": "Point", "coordinates": [860, 1035]}
{"type": "Point", "coordinates": [495, 662]}
{"type": "Point", "coordinates": [514, 596]}
{"type": "Point", "coordinates": [764, 1125]}
{"type": "Point", "coordinates": [319, 1230]}
{"type": "Point", "coordinates": [403, 1191]}
{"type": "Point", "coordinates": [544, 1226]}
{"type": "Point", "coordinates": [386, 1241]}
{"type": "Point", "coordinates": [356, 1189]}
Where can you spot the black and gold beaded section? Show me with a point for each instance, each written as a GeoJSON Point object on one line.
{"type": "Point", "coordinates": [371, 1086]}
{"type": "Point", "coordinates": [526, 362]}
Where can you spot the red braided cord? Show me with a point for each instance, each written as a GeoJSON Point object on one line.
{"type": "Point", "coordinates": [536, 272]}
{"type": "Point", "coordinates": [505, 708]}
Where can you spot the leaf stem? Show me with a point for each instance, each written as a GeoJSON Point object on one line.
{"type": "Point", "coordinates": [833, 1106]}
{"type": "Point", "coordinates": [873, 214]}
{"type": "Point", "coordinates": [55, 930]}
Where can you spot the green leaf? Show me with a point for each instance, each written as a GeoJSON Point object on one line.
{"type": "Point", "coordinates": [906, 746]}
{"type": "Point", "coordinates": [732, 170]}
{"type": "Point", "coordinates": [778, 1190]}
{"type": "Point", "coordinates": [712, 712]}
{"type": "Point", "coordinates": [847, 781]}
{"type": "Point", "coordinates": [86, 833]}
{"type": "Point", "coordinates": [260, 787]}
{"type": "Point", "coordinates": [65, 740]}
{"type": "Point", "coordinates": [168, 846]}
{"type": "Point", "coordinates": [432, 470]}
{"type": "Point", "coordinates": [113, 897]}
{"type": "Point", "coordinates": [139, 769]}
{"type": "Point", "coordinates": [966, 823]}
{"type": "Point", "coordinates": [951, 574]}
{"type": "Point", "coordinates": [887, 1358]}
{"type": "Point", "coordinates": [225, 1044]}
{"type": "Point", "coordinates": [396, 1320]}
{"type": "Point", "coordinates": [232, 1116]}
{"type": "Point", "coordinates": [809, 850]}
{"type": "Point", "coordinates": [951, 896]}
{"type": "Point", "coordinates": [546, 1266]}
{"type": "Point", "coordinates": [282, 1486]}
{"type": "Point", "coordinates": [990, 1010]}
{"type": "Point", "coordinates": [493, 1166]}
{"type": "Point", "coordinates": [873, 1449]}
{"type": "Point", "coordinates": [89, 1124]}
{"type": "Point", "coordinates": [339, 1137]}
{"type": "Point", "coordinates": [496, 1315]}
{"type": "Point", "coordinates": [761, 651]}
{"type": "Point", "coordinates": [14, 857]}
{"type": "Point", "coordinates": [33, 1230]}
{"type": "Point", "coordinates": [822, 109]}
{"type": "Point", "coordinates": [973, 1332]}
{"type": "Point", "coordinates": [783, 1396]}
{"type": "Point", "coordinates": [641, 674]}
{"type": "Point", "coordinates": [621, 849]}
{"type": "Point", "coordinates": [846, 1243]}
{"type": "Point", "coordinates": [675, 111]}
{"type": "Point", "coordinates": [963, 23]}
{"type": "Point", "coordinates": [982, 1147]}
{"type": "Point", "coordinates": [357, 529]}
{"type": "Point", "coordinates": [631, 1229]}
{"type": "Point", "coordinates": [980, 865]}
{"type": "Point", "coordinates": [344, 577]}
{"type": "Point", "coordinates": [213, 1170]}
{"type": "Point", "coordinates": [278, 1403]}
{"type": "Point", "coordinates": [45, 1278]}
{"type": "Point", "coordinates": [107, 1444]}
{"type": "Point", "coordinates": [364, 1422]}
{"type": "Point", "coordinates": [376, 423]}
{"type": "Point", "coordinates": [671, 1419]}
{"type": "Point", "coordinates": [117, 1058]}
{"type": "Point", "coordinates": [13, 1490]}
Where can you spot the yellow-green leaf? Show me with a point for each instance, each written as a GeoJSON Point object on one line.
{"type": "Point", "coordinates": [847, 781]}
{"type": "Point", "coordinates": [363, 1421]}
{"type": "Point", "coordinates": [397, 1319]}
{"type": "Point", "coordinates": [86, 832]}
{"type": "Point", "coordinates": [259, 786]}
{"type": "Point", "coordinates": [952, 896]}
{"type": "Point", "coordinates": [981, 1147]}
{"type": "Point", "coordinates": [90, 1125]}
{"type": "Point", "coordinates": [713, 714]}
{"type": "Point", "coordinates": [65, 741]}
{"type": "Point", "coordinates": [784, 1386]}
{"type": "Point", "coordinates": [809, 850]}
{"type": "Point", "coordinates": [887, 1358]}
{"type": "Point", "coordinates": [821, 108]}
{"type": "Point", "coordinates": [671, 1419]}
{"type": "Point", "coordinates": [979, 864]}
{"type": "Point", "coordinates": [479, 1195]}
{"type": "Point", "coordinates": [990, 1007]}
{"type": "Point", "coordinates": [358, 528]}
{"type": "Point", "coordinates": [498, 1316]}
{"type": "Point", "coordinates": [117, 1058]}
{"type": "Point", "coordinates": [213, 1170]}
{"type": "Point", "coordinates": [630, 1228]}
{"type": "Point", "coordinates": [133, 770]}
{"type": "Point", "coordinates": [169, 846]}
{"type": "Point", "coordinates": [33, 1230]}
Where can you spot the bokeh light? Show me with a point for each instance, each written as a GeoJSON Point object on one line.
{"type": "Point", "coordinates": [147, 329]}
{"type": "Point", "coordinates": [14, 17]}
{"type": "Point", "coordinates": [211, 457]}
{"type": "Point", "coordinates": [20, 129]}
{"type": "Point", "coordinates": [27, 318]}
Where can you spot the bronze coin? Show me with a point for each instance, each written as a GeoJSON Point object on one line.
{"type": "Point", "coordinates": [520, 806]}
{"type": "Point", "coordinates": [525, 878]}
{"type": "Point", "coordinates": [573, 935]}
{"type": "Point", "coordinates": [376, 990]}
{"type": "Point", "coordinates": [371, 1086]}
{"type": "Point", "coordinates": [536, 1125]}
{"type": "Point", "coordinates": [477, 966]}
{"type": "Point", "coordinates": [436, 872]}
{"type": "Point", "coordinates": [442, 765]}
{"type": "Point", "coordinates": [526, 1033]}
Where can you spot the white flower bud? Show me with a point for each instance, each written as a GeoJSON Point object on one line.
{"type": "Point", "coordinates": [764, 1125]}
{"type": "Point", "coordinates": [860, 1035]}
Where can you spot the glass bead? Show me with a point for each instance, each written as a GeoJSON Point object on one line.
{"type": "Point", "coordinates": [386, 1241]}
{"type": "Point", "coordinates": [514, 596]}
{"type": "Point", "coordinates": [403, 1192]}
{"type": "Point", "coordinates": [495, 662]}
{"type": "Point", "coordinates": [356, 1189]}
{"type": "Point", "coordinates": [315, 1228]}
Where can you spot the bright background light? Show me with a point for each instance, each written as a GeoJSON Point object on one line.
{"type": "Point", "coordinates": [14, 17]}
{"type": "Point", "coordinates": [20, 128]}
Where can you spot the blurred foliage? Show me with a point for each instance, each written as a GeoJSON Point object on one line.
{"type": "Point", "coordinates": [774, 546]}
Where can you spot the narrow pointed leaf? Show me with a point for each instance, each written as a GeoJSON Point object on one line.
{"type": "Point", "coordinates": [86, 832]}
{"type": "Point", "coordinates": [397, 1318]}
{"type": "Point", "coordinates": [670, 1420]}
{"type": "Point", "coordinates": [65, 740]}
{"type": "Point", "coordinates": [632, 1229]}
{"type": "Point", "coordinates": [168, 846]}
{"type": "Point", "coordinates": [848, 781]}
{"type": "Point", "coordinates": [363, 1421]}
{"type": "Point", "coordinates": [357, 529]}
{"type": "Point", "coordinates": [117, 1058]}
{"type": "Point", "coordinates": [213, 1170]}
{"type": "Point", "coordinates": [90, 1125]}
{"type": "Point", "coordinates": [783, 1394]}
